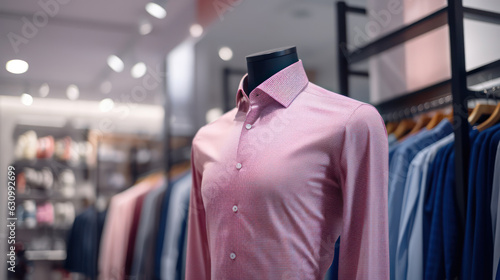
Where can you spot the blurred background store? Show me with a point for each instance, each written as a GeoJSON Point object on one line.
{"type": "Point", "coordinates": [96, 96]}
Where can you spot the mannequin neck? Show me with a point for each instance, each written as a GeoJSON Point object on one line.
{"type": "Point", "coordinates": [264, 65]}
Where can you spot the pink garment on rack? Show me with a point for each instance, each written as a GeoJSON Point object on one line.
{"type": "Point", "coordinates": [278, 179]}
{"type": "Point", "coordinates": [45, 213]}
{"type": "Point", "coordinates": [116, 231]}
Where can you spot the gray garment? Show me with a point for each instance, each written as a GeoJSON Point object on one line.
{"type": "Point", "coordinates": [495, 213]}
{"type": "Point", "coordinates": [177, 212]}
{"type": "Point", "coordinates": [145, 231]}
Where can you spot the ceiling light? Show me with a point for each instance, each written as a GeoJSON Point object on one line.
{"type": "Point", "coordinates": [145, 27]}
{"type": "Point", "coordinates": [138, 70]}
{"type": "Point", "coordinates": [16, 66]}
{"type": "Point", "coordinates": [106, 105]}
{"type": "Point", "coordinates": [115, 63]}
{"type": "Point", "coordinates": [44, 90]}
{"type": "Point", "coordinates": [196, 30]}
{"type": "Point", "coordinates": [156, 10]}
{"type": "Point", "coordinates": [26, 99]}
{"type": "Point", "coordinates": [72, 92]}
{"type": "Point", "coordinates": [106, 87]}
{"type": "Point", "coordinates": [225, 53]}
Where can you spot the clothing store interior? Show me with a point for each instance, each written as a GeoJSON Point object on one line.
{"type": "Point", "coordinates": [238, 139]}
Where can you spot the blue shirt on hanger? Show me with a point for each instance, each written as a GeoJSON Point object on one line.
{"type": "Point", "coordinates": [478, 245]}
{"type": "Point", "coordinates": [410, 243]}
{"type": "Point", "coordinates": [452, 239]}
{"type": "Point", "coordinates": [399, 165]}
{"type": "Point", "coordinates": [434, 265]}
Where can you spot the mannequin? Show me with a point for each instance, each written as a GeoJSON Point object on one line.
{"type": "Point", "coordinates": [263, 65]}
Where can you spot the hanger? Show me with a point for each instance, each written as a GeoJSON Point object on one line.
{"type": "Point", "coordinates": [403, 128]}
{"type": "Point", "coordinates": [391, 127]}
{"type": "Point", "coordinates": [421, 123]}
{"type": "Point", "coordinates": [493, 119]}
{"type": "Point", "coordinates": [152, 177]}
{"type": "Point", "coordinates": [435, 120]}
{"type": "Point", "coordinates": [449, 116]}
{"type": "Point", "coordinates": [479, 111]}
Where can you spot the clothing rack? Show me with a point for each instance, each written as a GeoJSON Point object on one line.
{"type": "Point", "coordinates": [433, 96]}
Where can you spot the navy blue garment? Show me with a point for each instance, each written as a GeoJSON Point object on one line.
{"type": "Point", "coordinates": [498, 271]}
{"type": "Point", "coordinates": [434, 265]}
{"type": "Point", "coordinates": [162, 226]}
{"type": "Point", "coordinates": [181, 264]}
{"type": "Point", "coordinates": [83, 242]}
{"type": "Point", "coordinates": [452, 227]}
{"type": "Point", "coordinates": [478, 243]}
{"type": "Point", "coordinates": [335, 264]}
{"type": "Point", "coordinates": [429, 197]}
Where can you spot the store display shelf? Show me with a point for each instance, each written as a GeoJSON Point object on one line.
{"type": "Point", "coordinates": [420, 27]}
{"type": "Point", "coordinates": [406, 33]}
{"type": "Point", "coordinates": [48, 162]}
{"type": "Point", "coordinates": [46, 255]}
{"type": "Point", "coordinates": [438, 92]}
{"type": "Point", "coordinates": [45, 197]}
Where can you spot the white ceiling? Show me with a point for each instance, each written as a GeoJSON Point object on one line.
{"type": "Point", "coordinates": [72, 48]}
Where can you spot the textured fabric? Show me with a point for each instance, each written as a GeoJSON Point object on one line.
{"type": "Point", "coordinates": [113, 249]}
{"type": "Point", "coordinates": [410, 250]}
{"type": "Point", "coordinates": [146, 234]}
{"type": "Point", "coordinates": [161, 231]}
{"type": "Point", "coordinates": [391, 139]}
{"type": "Point", "coordinates": [160, 238]}
{"type": "Point", "coordinates": [434, 265]}
{"type": "Point", "coordinates": [495, 213]}
{"type": "Point", "coordinates": [133, 233]}
{"type": "Point", "coordinates": [453, 228]}
{"type": "Point", "coordinates": [477, 262]}
{"type": "Point", "coordinates": [177, 213]}
{"type": "Point", "coordinates": [83, 242]}
{"type": "Point", "coordinates": [279, 178]}
{"type": "Point", "coordinates": [399, 167]}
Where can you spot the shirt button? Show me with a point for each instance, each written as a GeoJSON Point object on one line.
{"type": "Point", "coordinates": [248, 126]}
{"type": "Point", "coordinates": [232, 256]}
{"type": "Point", "coordinates": [235, 208]}
{"type": "Point", "coordinates": [238, 165]}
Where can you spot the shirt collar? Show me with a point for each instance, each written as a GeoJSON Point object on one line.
{"type": "Point", "coordinates": [283, 86]}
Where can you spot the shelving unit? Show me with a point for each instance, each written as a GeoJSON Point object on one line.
{"type": "Point", "coordinates": [433, 96]}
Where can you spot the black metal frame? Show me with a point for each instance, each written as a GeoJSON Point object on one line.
{"type": "Point", "coordinates": [433, 96]}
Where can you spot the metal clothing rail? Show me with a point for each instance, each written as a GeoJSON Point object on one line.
{"type": "Point", "coordinates": [433, 96]}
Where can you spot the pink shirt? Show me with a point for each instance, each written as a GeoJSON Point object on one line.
{"type": "Point", "coordinates": [116, 231]}
{"type": "Point", "coordinates": [278, 179]}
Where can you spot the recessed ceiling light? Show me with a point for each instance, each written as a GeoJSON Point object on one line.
{"type": "Point", "coordinates": [196, 30]}
{"type": "Point", "coordinates": [145, 27]}
{"type": "Point", "coordinates": [26, 99]}
{"type": "Point", "coordinates": [115, 63]}
{"type": "Point", "coordinates": [156, 10]}
{"type": "Point", "coordinates": [225, 53]}
{"type": "Point", "coordinates": [138, 70]}
{"type": "Point", "coordinates": [106, 87]}
{"type": "Point", "coordinates": [106, 105]}
{"type": "Point", "coordinates": [16, 66]}
{"type": "Point", "coordinates": [44, 90]}
{"type": "Point", "coordinates": [72, 92]}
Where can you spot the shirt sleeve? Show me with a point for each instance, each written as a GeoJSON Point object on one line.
{"type": "Point", "coordinates": [364, 250]}
{"type": "Point", "coordinates": [198, 254]}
